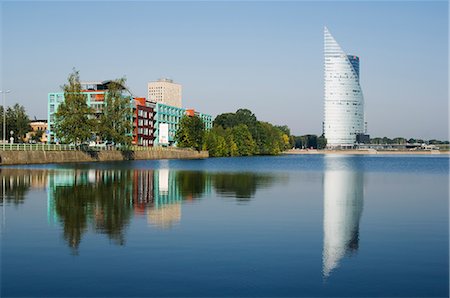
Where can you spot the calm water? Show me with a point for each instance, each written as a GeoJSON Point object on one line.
{"type": "Point", "coordinates": [259, 226]}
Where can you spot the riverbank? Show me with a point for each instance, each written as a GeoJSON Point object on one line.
{"type": "Point", "coordinates": [47, 157]}
{"type": "Point", "coordinates": [367, 152]}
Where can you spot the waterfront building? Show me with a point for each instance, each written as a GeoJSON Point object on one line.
{"type": "Point", "coordinates": [165, 91]}
{"type": "Point", "coordinates": [95, 93]}
{"type": "Point", "coordinates": [170, 115]}
{"type": "Point", "coordinates": [343, 98]}
{"type": "Point", "coordinates": [143, 118]}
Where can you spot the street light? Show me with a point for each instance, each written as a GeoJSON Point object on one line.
{"type": "Point", "coordinates": [4, 115]}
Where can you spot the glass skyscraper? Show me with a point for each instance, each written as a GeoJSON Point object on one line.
{"type": "Point", "coordinates": [344, 102]}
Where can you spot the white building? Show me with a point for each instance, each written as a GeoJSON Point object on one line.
{"type": "Point", "coordinates": [344, 102]}
{"type": "Point", "coordinates": [165, 91]}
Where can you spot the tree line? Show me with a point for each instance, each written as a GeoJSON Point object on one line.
{"type": "Point", "coordinates": [403, 141]}
{"type": "Point", "coordinates": [233, 134]}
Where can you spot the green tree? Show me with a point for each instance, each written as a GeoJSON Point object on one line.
{"type": "Point", "coordinates": [231, 144]}
{"type": "Point", "coordinates": [115, 123]}
{"type": "Point", "coordinates": [36, 137]}
{"type": "Point", "coordinates": [215, 142]}
{"type": "Point", "coordinates": [376, 141]}
{"type": "Point", "coordinates": [399, 140]}
{"type": "Point", "coordinates": [321, 142]}
{"type": "Point", "coordinates": [244, 141]}
{"type": "Point", "coordinates": [17, 121]}
{"type": "Point", "coordinates": [73, 120]}
{"type": "Point", "coordinates": [191, 132]}
{"type": "Point", "coordinates": [225, 120]}
{"type": "Point", "coordinates": [271, 139]}
{"type": "Point", "coordinates": [256, 138]}
{"type": "Point", "coordinates": [284, 128]}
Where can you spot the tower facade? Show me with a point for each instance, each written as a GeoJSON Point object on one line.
{"type": "Point", "coordinates": [343, 98]}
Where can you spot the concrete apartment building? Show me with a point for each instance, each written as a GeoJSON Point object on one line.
{"type": "Point", "coordinates": [165, 91]}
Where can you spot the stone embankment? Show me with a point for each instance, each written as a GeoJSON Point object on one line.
{"type": "Point", "coordinates": [47, 157]}
{"type": "Point", "coordinates": [364, 152]}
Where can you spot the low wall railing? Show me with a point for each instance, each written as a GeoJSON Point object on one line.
{"type": "Point", "coordinates": [64, 147]}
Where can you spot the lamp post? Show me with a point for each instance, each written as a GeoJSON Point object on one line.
{"type": "Point", "coordinates": [4, 115]}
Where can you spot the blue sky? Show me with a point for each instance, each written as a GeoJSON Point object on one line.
{"type": "Point", "coordinates": [265, 56]}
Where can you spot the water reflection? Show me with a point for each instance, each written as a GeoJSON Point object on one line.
{"type": "Point", "coordinates": [105, 200]}
{"type": "Point", "coordinates": [343, 189]}
{"type": "Point", "coordinates": [15, 184]}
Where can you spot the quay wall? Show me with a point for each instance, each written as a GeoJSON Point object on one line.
{"type": "Point", "coordinates": [47, 157]}
{"type": "Point", "coordinates": [366, 152]}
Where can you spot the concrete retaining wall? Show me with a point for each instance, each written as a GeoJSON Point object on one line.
{"type": "Point", "coordinates": [44, 157]}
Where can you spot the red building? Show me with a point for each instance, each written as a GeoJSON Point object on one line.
{"type": "Point", "coordinates": [143, 122]}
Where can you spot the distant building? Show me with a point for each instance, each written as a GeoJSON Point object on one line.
{"type": "Point", "coordinates": [37, 126]}
{"type": "Point", "coordinates": [165, 91]}
{"type": "Point", "coordinates": [344, 102]}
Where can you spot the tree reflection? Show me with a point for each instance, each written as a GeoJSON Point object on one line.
{"type": "Point", "coordinates": [242, 186]}
{"type": "Point", "coordinates": [100, 198]}
{"type": "Point", "coordinates": [191, 184]}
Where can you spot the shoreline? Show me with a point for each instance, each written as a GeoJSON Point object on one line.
{"type": "Point", "coordinates": [367, 152]}
{"type": "Point", "coordinates": [57, 157]}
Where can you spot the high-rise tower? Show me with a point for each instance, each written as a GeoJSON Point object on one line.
{"type": "Point", "coordinates": [344, 102]}
{"type": "Point", "coordinates": [165, 91]}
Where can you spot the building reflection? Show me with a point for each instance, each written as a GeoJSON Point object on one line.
{"type": "Point", "coordinates": [15, 183]}
{"type": "Point", "coordinates": [106, 200]}
{"type": "Point", "coordinates": [343, 189]}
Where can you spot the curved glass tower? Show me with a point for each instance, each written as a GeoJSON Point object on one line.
{"type": "Point", "coordinates": [344, 102]}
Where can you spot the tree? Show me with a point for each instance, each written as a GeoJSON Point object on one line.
{"type": "Point", "coordinates": [115, 123]}
{"type": "Point", "coordinates": [225, 120]}
{"type": "Point", "coordinates": [271, 139]}
{"type": "Point", "coordinates": [73, 120]}
{"type": "Point", "coordinates": [244, 141]}
{"type": "Point", "coordinates": [266, 138]}
{"type": "Point", "coordinates": [191, 132]}
{"type": "Point", "coordinates": [321, 142]}
{"type": "Point", "coordinates": [17, 121]}
{"type": "Point", "coordinates": [37, 136]}
{"type": "Point", "coordinates": [284, 128]}
{"type": "Point", "coordinates": [215, 143]}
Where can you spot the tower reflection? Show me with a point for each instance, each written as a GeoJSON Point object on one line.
{"type": "Point", "coordinates": [343, 191]}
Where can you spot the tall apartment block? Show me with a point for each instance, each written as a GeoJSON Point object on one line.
{"type": "Point", "coordinates": [165, 91]}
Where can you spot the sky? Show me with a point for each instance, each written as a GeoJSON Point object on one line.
{"type": "Point", "coordinates": [265, 56]}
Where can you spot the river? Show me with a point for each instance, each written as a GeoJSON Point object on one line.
{"type": "Point", "coordinates": [293, 225]}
